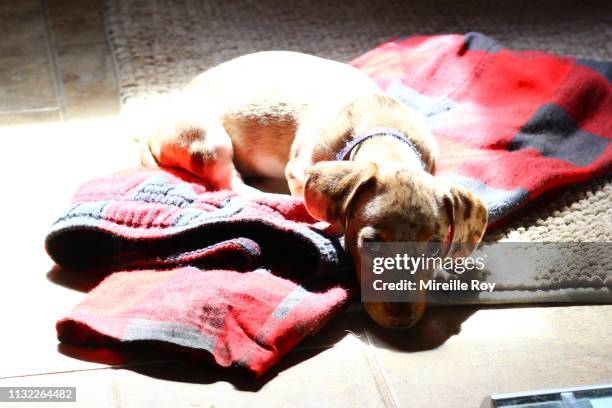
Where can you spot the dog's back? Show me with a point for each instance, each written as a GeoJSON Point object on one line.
{"type": "Point", "coordinates": [263, 98]}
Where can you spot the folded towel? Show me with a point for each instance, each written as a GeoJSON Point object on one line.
{"type": "Point", "coordinates": [203, 271]}
{"type": "Point", "coordinates": [511, 125]}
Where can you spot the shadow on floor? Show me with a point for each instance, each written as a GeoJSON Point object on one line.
{"type": "Point", "coordinates": [437, 326]}
{"type": "Point", "coordinates": [75, 280]}
{"type": "Point", "coordinates": [154, 361]}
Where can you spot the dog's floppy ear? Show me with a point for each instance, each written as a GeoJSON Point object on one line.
{"type": "Point", "coordinates": [330, 187]}
{"type": "Point", "coordinates": [467, 216]}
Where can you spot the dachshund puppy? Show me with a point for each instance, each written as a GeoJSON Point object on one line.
{"type": "Point", "coordinates": [361, 159]}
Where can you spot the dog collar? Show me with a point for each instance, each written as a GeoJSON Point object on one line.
{"type": "Point", "coordinates": [378, 132]}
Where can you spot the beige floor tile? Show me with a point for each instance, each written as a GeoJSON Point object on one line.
{"type": "Point", "coordinates": [77, 21]}
{"type": "Point", "coordinates": [30, 116]}
{"type": "Point", "coordinates": [335, 377]}
{"type": "Point", "coordinates": [94, 388]}
{"type": "Point", "coordinates": [26, 71]}
{"type": "Point", "coordinates": [26, 82]}
{"type": "Point", "coordinates": [89, 84]}
{"type": "Point", "coordinates": [497, 351]}
{"type": "Point", "coordinates": [23, 26]}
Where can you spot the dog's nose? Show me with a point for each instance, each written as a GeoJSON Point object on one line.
{"type": "Point", "coordinates": [396, 315]}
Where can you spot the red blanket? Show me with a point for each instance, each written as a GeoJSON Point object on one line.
{"type": "Point", "coordinates": [511, 125]}
{"type": "Point", "coordinates": [205, 272]}
{"type": "Point", "coordinates": [209, 272]}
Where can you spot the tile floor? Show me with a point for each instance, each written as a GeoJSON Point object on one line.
{"type": "Point", "coordinates": [58, 103]}
{"type": "Point", "coordinates": [55, 63]}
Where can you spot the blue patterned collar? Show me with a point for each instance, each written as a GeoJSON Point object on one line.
{"type": "Point", "coordinates": [377, 132]}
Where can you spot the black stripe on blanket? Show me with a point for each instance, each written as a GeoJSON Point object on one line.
{"type": "Point", "coordinates": [555, 134]}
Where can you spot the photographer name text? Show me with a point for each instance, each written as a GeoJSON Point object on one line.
{"type": "Point", "coordinates": [433, 285]}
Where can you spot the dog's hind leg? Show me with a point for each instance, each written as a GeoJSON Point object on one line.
{"type": "Point", "coordinates": [203, 148]}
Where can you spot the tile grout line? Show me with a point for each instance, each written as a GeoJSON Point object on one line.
{"type": "Point", "coordinates": [52, 54]}
{"type": "Point", "coordinates": [113, 54]}
{"type": "Point", "coordinates": [79, 370]}
{"type": "Point", "coordinates": [26, 110]}
{"type": "Point", "coordinates": [82, 44]}
{"type": "Point", "coordinates": [116, 390]}
{"type": "Point", "coordinates": [53, 373]}
{"type": "Point", "coordinates": [378, 373]}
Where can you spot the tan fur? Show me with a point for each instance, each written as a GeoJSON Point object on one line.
{"type": "Point", "coordinates": [286, 115]}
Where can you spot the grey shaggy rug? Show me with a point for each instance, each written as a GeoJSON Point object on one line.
{"type": "Point", "coordinates": [159, 45]}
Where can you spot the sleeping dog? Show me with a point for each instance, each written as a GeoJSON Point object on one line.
{"type": "Point", "coordinates": [361, 159]}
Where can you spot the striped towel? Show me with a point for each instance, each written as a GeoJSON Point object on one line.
{"type": "Point", "coordinates": [206, 272]}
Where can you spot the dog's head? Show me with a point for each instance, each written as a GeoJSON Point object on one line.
{"type": "Point", "coordinates": [389, 203]}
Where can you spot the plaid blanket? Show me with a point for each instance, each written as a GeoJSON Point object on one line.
{"type": "Point", "coordinates": [202, 271]}
{"type": "Point", "coordinates": [511, 125]}
{"type": "Point", "coordinates": [242, 280]}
